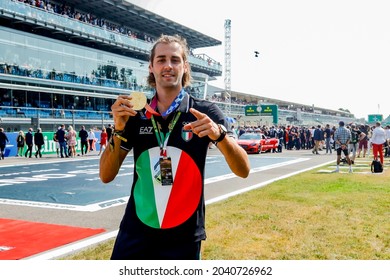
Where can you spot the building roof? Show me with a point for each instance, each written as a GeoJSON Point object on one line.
{"type": "Point", "coordinates": [120, 13]}
{"type": "Point", "coordinates": [128, 14]}
{"type": "Point", "coordinates": [254, 99]}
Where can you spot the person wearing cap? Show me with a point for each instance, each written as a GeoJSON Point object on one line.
{"type": "Point", "coordinates": [377, 140]}
{"type": "Point", "coordinates": [342, 138]}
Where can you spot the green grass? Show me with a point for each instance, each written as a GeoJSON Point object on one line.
{"type": "Point", "coordinates": [311, 216]}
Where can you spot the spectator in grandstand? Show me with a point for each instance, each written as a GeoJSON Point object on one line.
{"type": "Point", "coordinates": [342, 137]}
{"type": "Point", "coordinates": [39, 142]}
{"type": "Point", "coordinates": [71, 12]}
{"type": "Point", "coordinates": [3, 142]}
{"type": "Point", "coordinates": [378, 139]}
{"type": "Point", "coordinates": [20, 143]}
{"type": "Point", "coordinates": [29, 143]}
{"type": "Point", "coordinates": [83, 135]}
{"type": "Point", "coordinates": [165, 216]}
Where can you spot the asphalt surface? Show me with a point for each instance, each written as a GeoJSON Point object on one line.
{"type": "Point", "coordinates": [287, 163]}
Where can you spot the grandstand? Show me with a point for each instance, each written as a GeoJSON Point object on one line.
{"type": "Point", "coordinates": [66, 63]}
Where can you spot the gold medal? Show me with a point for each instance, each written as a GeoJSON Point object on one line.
{"type": "Point", "coordinates": [138, 100]}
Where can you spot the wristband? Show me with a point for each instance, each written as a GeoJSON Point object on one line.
{"type": "Point", "coordinates": [117, 134]}
{"type": "Point", "coordinates": [223, 132]}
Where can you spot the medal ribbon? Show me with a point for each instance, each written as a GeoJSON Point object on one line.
{"type": "Point", "coordinates": [162, 138]}
{"type": "Point", "coordinates": [151, 108]}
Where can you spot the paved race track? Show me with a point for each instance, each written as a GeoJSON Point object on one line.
{"type": "Point", "coordinates": [69, 192]}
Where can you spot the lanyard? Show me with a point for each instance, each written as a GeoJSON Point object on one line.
{"type": "Point", "coordinates": [162, 138]}
{"type": "Point", "coordinates": [151, 108]}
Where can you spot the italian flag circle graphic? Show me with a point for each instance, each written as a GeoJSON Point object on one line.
{"type": "Point", "coordinates": [166, 206]}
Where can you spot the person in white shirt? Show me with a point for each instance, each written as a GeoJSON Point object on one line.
{"type": "Point", "coordinates": [377, 140]}
{"type": "Point", "coordinates": [91, 140]}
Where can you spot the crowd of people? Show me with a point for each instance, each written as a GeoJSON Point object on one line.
{"type": "Point", "coordinates": [66, 140]}
{"type": "Point", "coordinates": [322, 138]}
{"type": "Point", "coordinates": [69, 11]}
{"type": "Point", "coordinates": [316, 139]}
{"type": "Point", "coordinates": [72, 12]}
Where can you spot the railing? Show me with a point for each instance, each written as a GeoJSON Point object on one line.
{"type": "Point", "coordinates": [98, 115]}
{"type": "Point", "coordinates": [32, 112]}
{"type": "Point", "coordinates": [47, 74]}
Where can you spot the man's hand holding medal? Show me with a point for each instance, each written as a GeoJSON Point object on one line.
{"type": "Point", "coordinates": [127, 106]}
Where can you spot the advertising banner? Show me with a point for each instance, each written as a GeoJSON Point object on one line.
{"type": "Point", "coordinates": [50, 146]}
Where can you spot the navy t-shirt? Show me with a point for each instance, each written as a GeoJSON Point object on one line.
{"type": "Point", "coordinates": [60, 135]}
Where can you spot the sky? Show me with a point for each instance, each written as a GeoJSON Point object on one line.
{"type": "Point", "coordinates": [330, 54]}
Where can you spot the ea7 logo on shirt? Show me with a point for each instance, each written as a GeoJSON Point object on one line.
{"type": "Point", "coordinates": [146, 130]}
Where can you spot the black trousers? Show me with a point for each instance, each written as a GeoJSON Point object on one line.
{"type": "Point", "coordinates": [128, 248]}
{"type": "Point", "coordinates": [38, 152]}
{"type": "Point", "coordinates": [84, 147]}
{"type": "Point", "coordinates": [29, 150]}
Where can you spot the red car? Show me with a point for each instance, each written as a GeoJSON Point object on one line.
{"type": "Point", "coordinates": [257, 143]}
